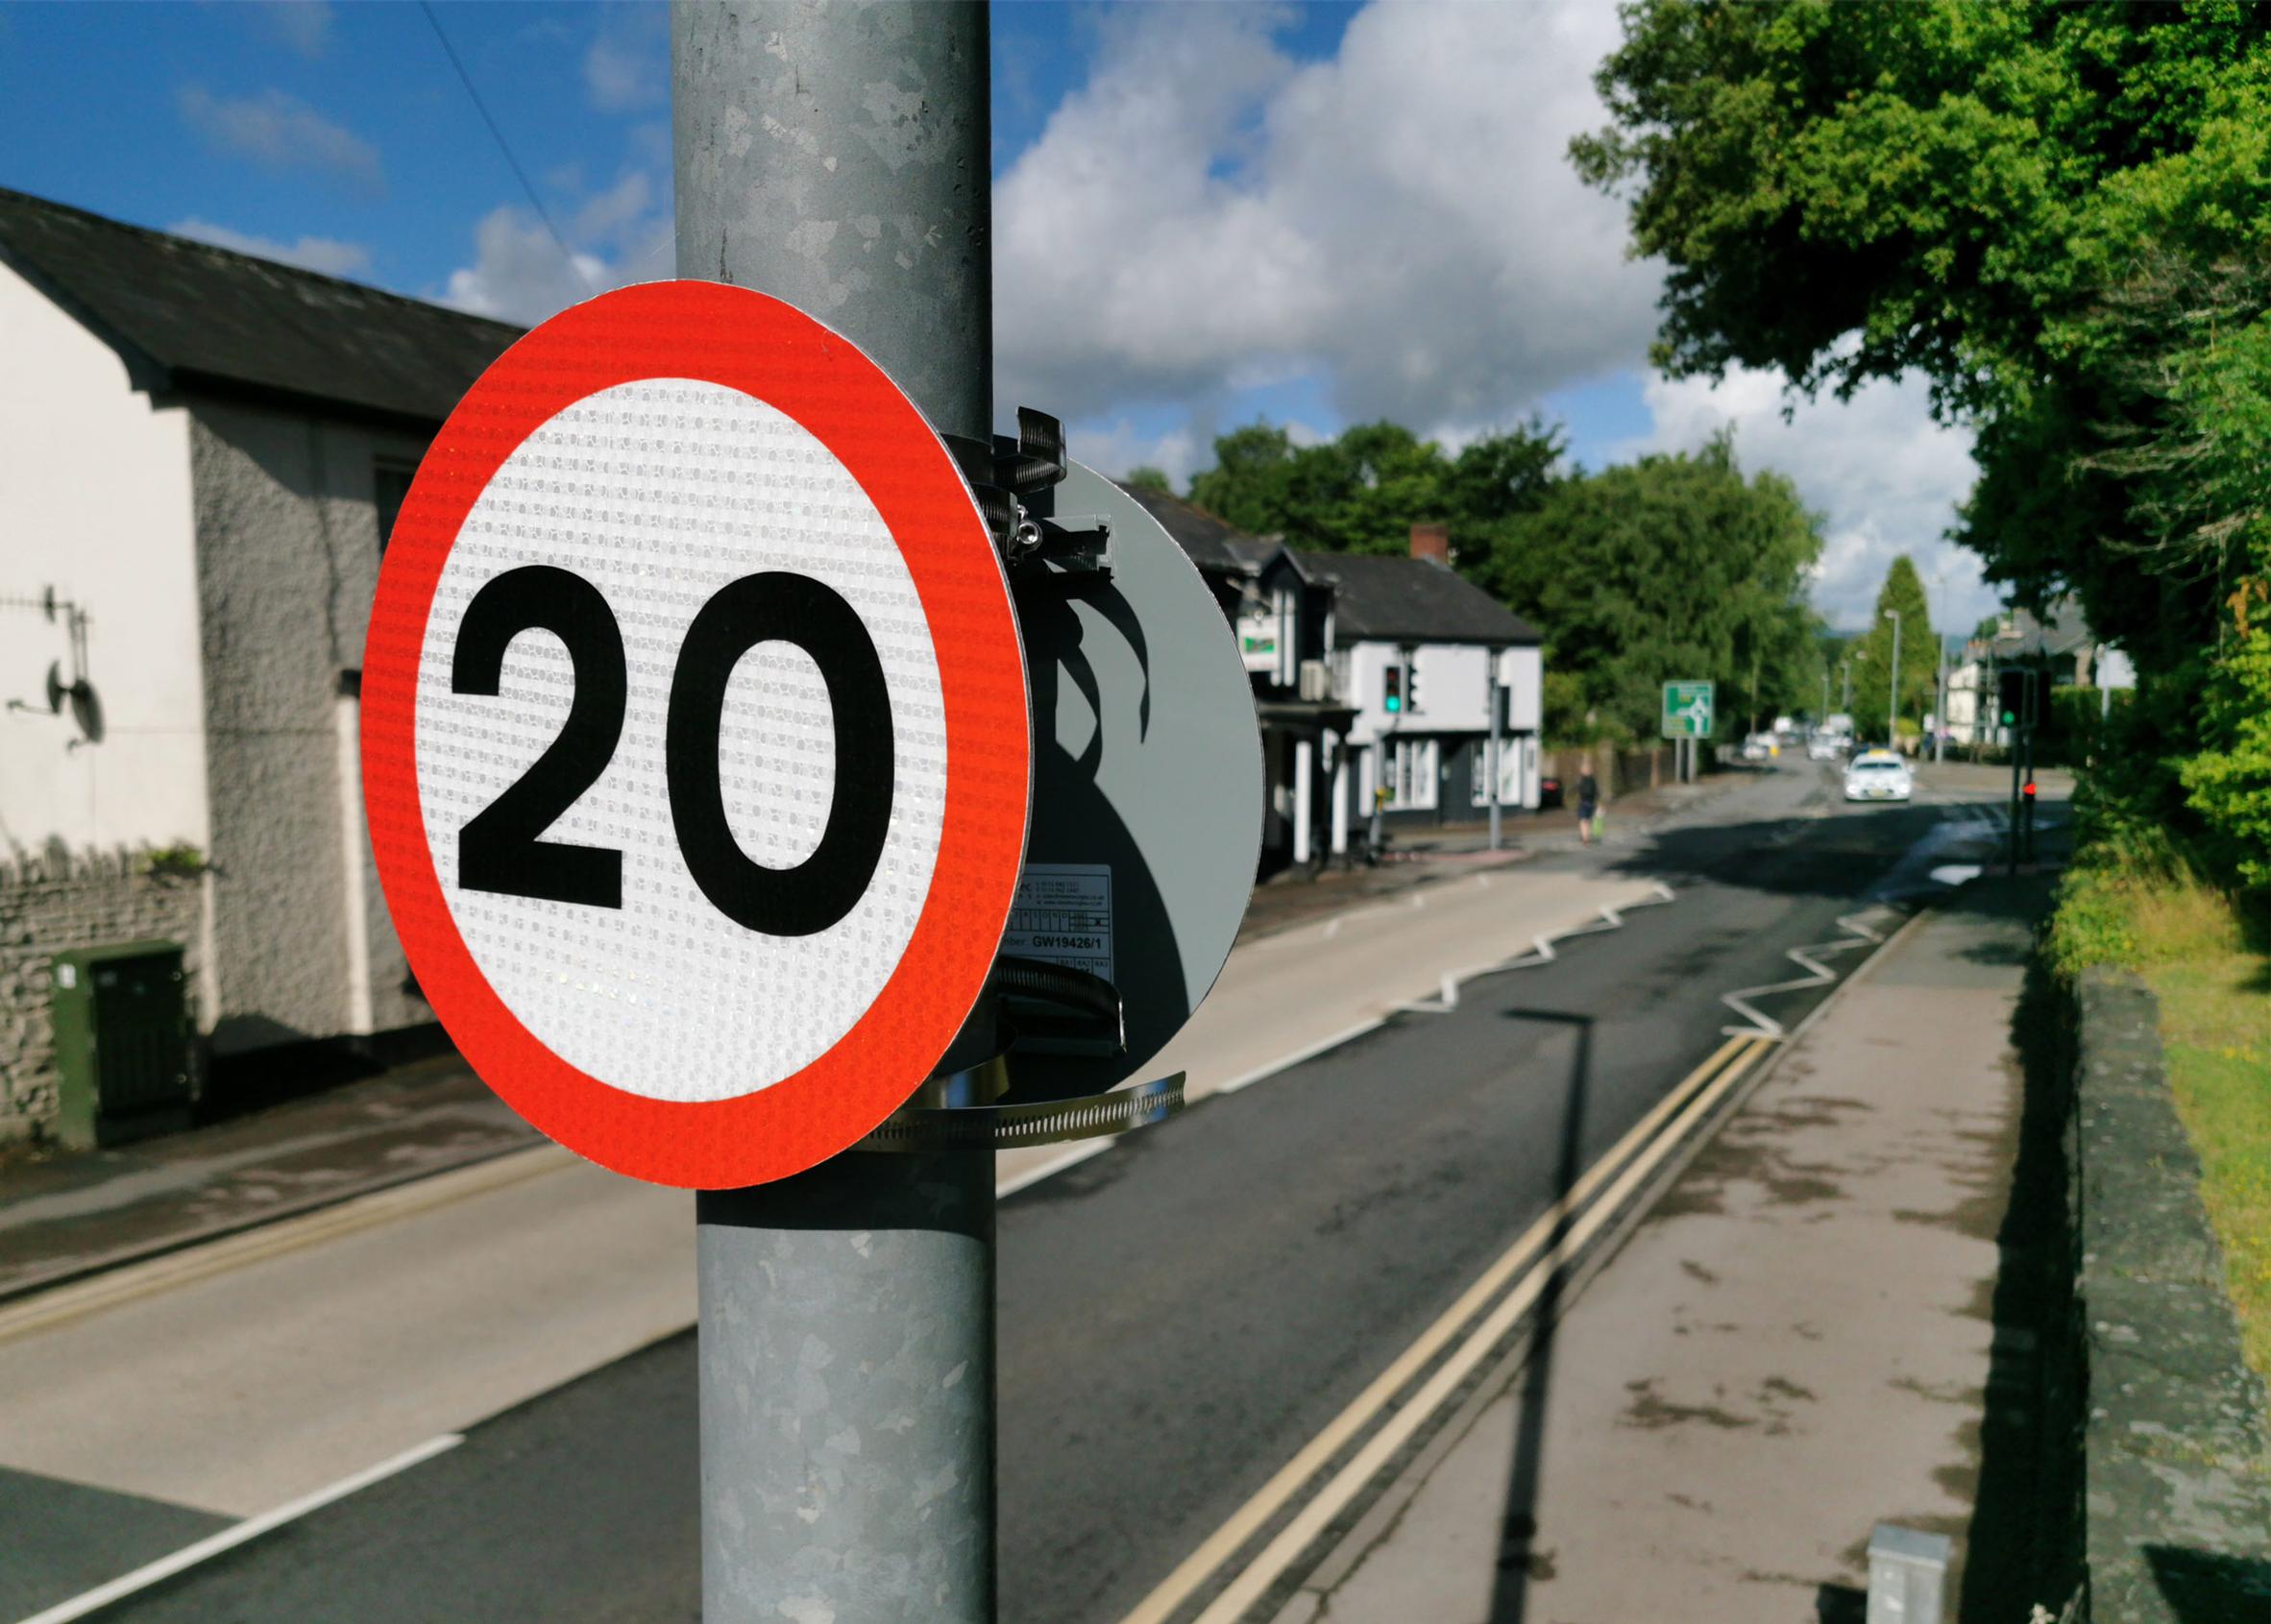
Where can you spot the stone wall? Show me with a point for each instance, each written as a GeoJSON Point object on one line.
{"type": "Point", "coordinates": [1619, 772]}
{"type": "Point", "coordinates": [61, 900]}
{"type": "Point", "coordinates": [2175, 1521]}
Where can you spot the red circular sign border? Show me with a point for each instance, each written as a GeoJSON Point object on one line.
{"type": "Point", "coordinates": [746, 341]}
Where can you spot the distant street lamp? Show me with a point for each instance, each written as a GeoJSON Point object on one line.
{"type": "Point", "coordinates": [1892, 704]}
{"type": "Point", "coordinates": [1939, 678]}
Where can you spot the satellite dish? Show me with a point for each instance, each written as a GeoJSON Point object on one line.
{"type": "Point", "coordinates": [86, 711]}
{"type": "Point", "coordinates": [56, 688]}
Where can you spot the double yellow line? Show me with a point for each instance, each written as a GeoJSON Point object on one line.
{"type": "Point", "coordinates": [1534, 1258]}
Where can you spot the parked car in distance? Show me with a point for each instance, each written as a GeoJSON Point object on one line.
{"type": "Point", "coordinates": [1757, 747]}
{"type": "Point", "coordinates": [1827, 746]}
{"type": "Point", "coordinates": [1878, 775]}
{"type": "Point", "coordinates": [1549, 794]}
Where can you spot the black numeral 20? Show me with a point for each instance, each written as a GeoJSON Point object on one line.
{"type": "Point", "coordinates": [498, 849]}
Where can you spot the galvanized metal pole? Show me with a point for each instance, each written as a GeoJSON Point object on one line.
{"type": "Point", "coordinates": [837, 156]}
{"type": "Point", "coordinates": [1495, 694]}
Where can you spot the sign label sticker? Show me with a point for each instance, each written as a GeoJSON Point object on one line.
{"type": "Point", "coordinates": [1063, 916]}
{"type": "Point", "coordinates": [695, 735]}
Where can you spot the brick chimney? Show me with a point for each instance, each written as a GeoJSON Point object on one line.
{"type": "Point", "coordinates": [1433, 543]}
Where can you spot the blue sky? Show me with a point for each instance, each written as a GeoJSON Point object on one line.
{"type": "Point", "coordinates": [1315, 215]}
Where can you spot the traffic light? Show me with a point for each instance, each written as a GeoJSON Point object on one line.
{"type": "Point", "coordinates": [1411, 688]}
{"type": "Point", "coordinates": [2016, 700]}
{"type": "Point", "coordinates": [1394, 701]}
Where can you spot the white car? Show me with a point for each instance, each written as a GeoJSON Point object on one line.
{"type": "Point", "coordinates": [1757, 747]}
{"type": "Point", "coordinates": [1825, 747]}
{"type": "Point", "coordinates": [1879, 775]}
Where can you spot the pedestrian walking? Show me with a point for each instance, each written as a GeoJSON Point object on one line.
{"type": "Point", "coordinates": [1588, 801]}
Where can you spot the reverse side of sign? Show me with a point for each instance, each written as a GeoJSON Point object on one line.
{"type": "Point", "coordinates": [694, 736]}
{"type": "Point", "coordinates": [1148, 790]}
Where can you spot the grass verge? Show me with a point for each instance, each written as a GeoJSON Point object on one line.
{"type": "Point", "coordinates": [2212, 976]}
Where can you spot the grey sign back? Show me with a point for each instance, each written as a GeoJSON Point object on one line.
{"type": "Point", "coordinates": [1147, 788]}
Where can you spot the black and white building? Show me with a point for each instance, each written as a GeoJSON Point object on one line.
{"type": "Point", "coordinates": [1373, 678]}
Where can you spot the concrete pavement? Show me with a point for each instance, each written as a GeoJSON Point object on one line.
{"type": "Point", "coordinates": [1795, 1346]}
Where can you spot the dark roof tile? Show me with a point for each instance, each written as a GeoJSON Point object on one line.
{"type": "Point", "coordinates": [1391, 599]}
{"type": "Point", "coordinates": [209, 315]}
{"type": "Point", "coordinates": [1212, 545]}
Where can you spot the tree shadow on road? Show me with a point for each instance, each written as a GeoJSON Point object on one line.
{"type": "Point", "coordinates": [1786, 857]}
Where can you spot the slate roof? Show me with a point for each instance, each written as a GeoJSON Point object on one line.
{"type": "Point", "coordinates": [1212, 544]}
{"type": "Point", "coordinates": [1384, 598]}
{"type": "Point", "coordinates": [186, 315]}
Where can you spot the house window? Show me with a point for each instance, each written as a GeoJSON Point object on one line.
{"type": "Point", "coordinates": [1412, 767]}
{"type": "Point", "coordinates": [390, 485]}
{"type": "Point", "coordinates": [1509, 772]}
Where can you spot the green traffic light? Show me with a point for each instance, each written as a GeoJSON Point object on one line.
{"type": "Point", "coordinates": [2009, 717]}
{"type": "Point", "coordinates": [1394, 703]}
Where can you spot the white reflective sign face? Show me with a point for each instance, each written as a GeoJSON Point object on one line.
{"type": "Point", "coordinates": [658, 497]}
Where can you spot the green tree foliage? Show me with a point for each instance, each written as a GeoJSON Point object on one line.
{"type": "Point", "coordinates": [1149, 479]}
{"type": "Point", "coordinates": [2060, 217]}
{"type": "Point", "coordinates": [1673, 567]}
{"type": "Point", "coordinates": [1363, 492]}
{"type": "Point", "coordinates": [1873, 665]}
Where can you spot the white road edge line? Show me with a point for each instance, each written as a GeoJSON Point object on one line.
{"type": "Point", "coordinates": [1306, 1051]}
{"type": "Point", "coordinates": [228, 1538]}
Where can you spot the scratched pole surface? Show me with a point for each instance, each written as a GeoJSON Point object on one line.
{"type": "Point", "coordinates": [837, 158]}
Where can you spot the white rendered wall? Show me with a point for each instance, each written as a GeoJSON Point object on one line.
{"type": "Point", "coordinates": [1454, 689]}
{"type": "Point", "coordinates": [95, 501]}
{"type": "Point", "coordinates": [1523, 673]}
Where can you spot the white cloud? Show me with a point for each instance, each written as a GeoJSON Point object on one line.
{"type": "Point", "coordinates": [326, 254]}
{"type": "Point", "coordinates": [305, 25]}
{"type": "Point", "coordinates": [1206, 214]}
{"type": "Point", "coordinates": [519, 274]}
{"type": "Point", "coordinates": [280, 132]}
{"type": "Point", "coordinates": [1884, 474]}
{"type": "Point", "coordinates": [619, 206]}
{"type": "Point", "coordinates": [1116, 447]}
{"type": "Point", "coordinates": [622, 76]}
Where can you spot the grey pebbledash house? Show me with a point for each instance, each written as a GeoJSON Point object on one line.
{"type": "Point", "coordinates": [200, 455]}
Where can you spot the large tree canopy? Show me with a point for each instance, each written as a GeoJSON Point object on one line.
{"type": "Point", "coordinates": [2060, 217]}
{"type": "Point", "coordinates": [1670, 568]}
{"type": "Point", "coordinates": [1363, 492]}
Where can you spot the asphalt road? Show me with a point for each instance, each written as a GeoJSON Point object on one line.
{"type": "Point", "coordinates": [1177, 1317]}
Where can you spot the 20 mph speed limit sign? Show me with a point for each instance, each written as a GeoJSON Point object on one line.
{"type": "Point", "coordinates": [694, 736]}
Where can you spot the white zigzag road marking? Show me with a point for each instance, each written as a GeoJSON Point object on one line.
{"type": "Point", "coordinates": [1860, 934]}
{"type": "Point", "coordinates": [1541, 952]}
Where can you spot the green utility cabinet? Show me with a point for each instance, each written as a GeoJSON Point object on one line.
{"type": "Point", "coordinates": [121, 1042]}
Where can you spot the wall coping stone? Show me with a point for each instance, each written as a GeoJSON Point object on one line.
{"type": "Point", "coordinates": [2176, 1491]}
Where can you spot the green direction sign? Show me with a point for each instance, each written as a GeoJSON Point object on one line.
{"type": "Point", "coordinates": [1687, 709]}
